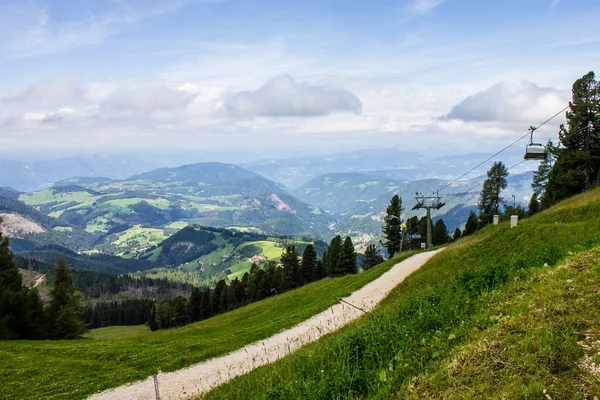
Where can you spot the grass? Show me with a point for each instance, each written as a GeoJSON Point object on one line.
{"type": "Point", "coordinates": [76, 369]}
{"type": "Point", "coordinates": [118, 332]}
{"type": "Point", "coordinates": [435, 322]}
{"type": "Point", "coordinates": [541, 335]}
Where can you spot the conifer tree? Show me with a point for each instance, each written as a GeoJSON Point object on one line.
{"type": "Point", "coordinates": [371, 258]}
{"type": "Point", "coordinates": [534, 205]}
{"type": "Point", "coordinates": [540, 177]}
{"type": "Point", "coordinates": [457, 234]}
{"type": "Point", "coordinates": [152, 322]}
{"type": "Point", "coordinates": [471, 224]}
{"type": "Point", "coordinates": [577, 164]}
{"type": "Point", "coordinates": [333, 256]}
{"type": "Point", "coordinates": [439, 234]}
{"type": "Point", "coordinates": [391, 228]}
{"type": "Point", "coordinates": [489, 202]}
{"type": "Point", "coordinates": [64, 312]}
{"type": "Point", "coordinates": [12, 307]}
{"type": "Point", "coordinates": [347, 263]}
{"type": "Point", "coordinates": [291, 267]}
{"type": "Point", "coordinates": [309, 263]}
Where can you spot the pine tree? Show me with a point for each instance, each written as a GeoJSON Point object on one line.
{"type": "Point", "coordinates": [391, 228]}
{"type": "Point", "coordinates": [439, 234]}
{"type": "Point", "coordinates": [333, 256]}
{"type": "Point", "coordinates": [457, 234]}
{"type": "Point", "coordinates": [471, 224]}
{"type": "Point", "coordinates": [371, 258]}
{"type": "Point", "coordinates": [347, 264]}
{"type": "Point", "coordinates": [291, 266]}
{"type": "Point", "coordinates": [534, 205]}
{"type": "Point", "coordinates": [540, 177]}
{"type": "Point", "coordinates": [64, 312]}
{"type": "Point", "coordinates": [489, 202]}
{"type": "Point", "coordinates": [152, 322]}
{"type": "Point", "coordinates": [577, 164]}
{"type": "Point", "coordinates": [12, 307]}
{"type": "Point", "coordinates": [309, 263]}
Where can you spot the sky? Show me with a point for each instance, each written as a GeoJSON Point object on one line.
{"type": "Point", "coordinates": [287, 78]}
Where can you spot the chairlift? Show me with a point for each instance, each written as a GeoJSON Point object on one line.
{"type": "Point", "coordinates": [534, 151]}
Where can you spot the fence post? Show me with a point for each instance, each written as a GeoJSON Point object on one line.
{"type": "Point", "coordinates": [156, 387]}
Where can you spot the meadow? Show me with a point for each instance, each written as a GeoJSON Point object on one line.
{"type": "Point", "coordinates": [492, 316]}
{"type": "Point", "coordinates": [109, 357]}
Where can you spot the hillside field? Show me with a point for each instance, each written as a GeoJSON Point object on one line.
{"type": "Point", "coordinates": [504, 313]}
{"type": "Point", "coordinates": [116, 355]}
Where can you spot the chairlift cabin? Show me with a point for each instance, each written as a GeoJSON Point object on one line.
{"type": "Point", "coordinates": [534, 151]}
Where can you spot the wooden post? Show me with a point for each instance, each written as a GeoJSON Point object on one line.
{"type": "Point", "coordinates": [156, 387]}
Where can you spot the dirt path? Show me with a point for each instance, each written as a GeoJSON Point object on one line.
{"type": "Point", "coordinates": [39, 281]}
{"type": "Point", "coordinates": [200, 378]}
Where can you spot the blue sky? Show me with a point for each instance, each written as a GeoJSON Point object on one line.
{"type": "Point", "coordinates": [266, 76]}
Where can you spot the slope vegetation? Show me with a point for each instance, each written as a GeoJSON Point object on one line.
{"type": "Point", "coordinates": [118, 355]}
{"type": "Point", "coordinates": [435, 323]}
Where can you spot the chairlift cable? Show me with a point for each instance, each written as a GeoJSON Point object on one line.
{"type": "Point", "coordinates": [504, 149]}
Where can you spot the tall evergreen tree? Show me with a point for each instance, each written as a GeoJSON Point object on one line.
{"type": "Point", "coordinates": [12, 306]}
{"type": "Point", "coordinates": [540, 177]}
{"type": "Point", "coordinates": [471, 225]}
{"type": "Point", "coordinates": [577, 164]}
{"type": "Point", "coordinates": [391, 228]}
{"type": "Point", "coordinates": [347, 264]}
{"type": "Point", "coordinates": [534, 205]}
{"type": "Point", "coordinates": [309, 263]}
{"type": "Point", "coordinates": [439, 234]}
{"type": "Point", "coordinates": [152, 320]}
{"type": "Point", "coordinates": [64, 312]}
{"type": "Point", "coordinates": [291, 266]}
{"type": "Point", "coordinates": [457, 234]}
{"type": "Point", "coordinates": [371, 258]}
{"type": "Point", "coordinates": [333, 256]}
{"type": "Point", "coordinates": [489, 202]}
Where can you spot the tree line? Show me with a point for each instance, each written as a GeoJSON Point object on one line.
{"type": "Point", "coordinates": [22, 313]}
{"type": "Point", "coordinates": [259, 283]}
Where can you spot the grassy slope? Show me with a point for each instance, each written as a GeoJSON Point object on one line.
{"type": "Point", "coordinates": [420, 327]}
{"type": "Point", "coordinates": [75, 369]}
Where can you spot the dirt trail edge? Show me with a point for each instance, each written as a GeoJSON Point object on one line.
{"type": "Point", "coordinates": [202, 377]}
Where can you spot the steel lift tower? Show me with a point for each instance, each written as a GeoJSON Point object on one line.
{"type": "Point", "coordinates": [428, 202]}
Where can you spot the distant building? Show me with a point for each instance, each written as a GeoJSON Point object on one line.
{"type": "Point", "coordinates": [258, 259]}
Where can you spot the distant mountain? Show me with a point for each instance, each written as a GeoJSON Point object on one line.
{"type": "Point", "coordinates": [387, 163]}
{"type": "Point", "coordinates": [210, 194]}
{"type": "Point", "coordinates": [357, 201]}
{"type": "Point", "coordinates": [25, 176]}
{"type": "Point", "coordinates": [30, 229]}
{"type": "Point", "coordinates": [295, 172]}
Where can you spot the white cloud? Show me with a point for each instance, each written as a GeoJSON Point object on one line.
{"type": "Point", "coordinates": [415, 8]}
{"type": "Point", "coordinates": [509, 102]}
{"type": "Point", "coordinates": [284, 97]}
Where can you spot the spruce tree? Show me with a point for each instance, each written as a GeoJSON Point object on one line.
{"type": "Point", "coordinates": [489, 202]}
{"type": "Point", "coordinates": [333, 256]}
{"type": "Point", "coordinates": [12, 307]}
{"type": "Point", "coordinates": [64, 312]}
{"type": "Point", "coordinates": [309, 263]}
{"type": "Point", "coordinates": [152, 322]}
{"type": "Point", "coordinates": [540, 177]}
{"type": "Point", "coordinates": [291, 266]}
{"type": "Point", "coordinates": [371, 258]}
{"type": "Point", "coordinates": [391, 228]}
{"type": "Point", "coordinates": [534, 205]}
{"type": "Point", "coordinates": [457, 234]}
{"type": "Point", "coordinates": [577, 165]}
{"type": "Point", "coordinates": [439, 234]}
{"type": "Point", "coordinates": [347, 264]}
{"type": "Point", "coordinates": [471, 225]}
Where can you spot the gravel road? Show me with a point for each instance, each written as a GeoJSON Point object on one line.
{"type": "Point", "coordinates": [202, 377]}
